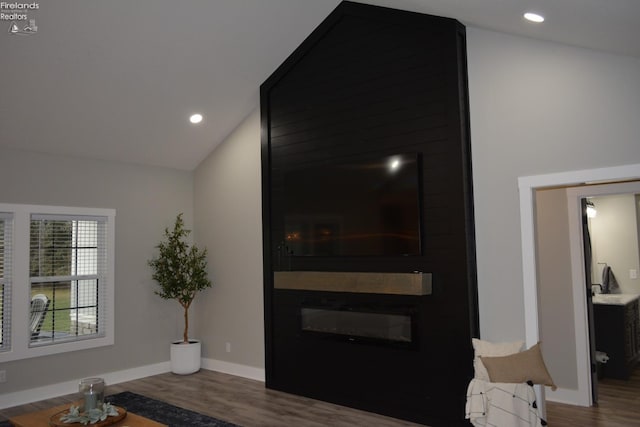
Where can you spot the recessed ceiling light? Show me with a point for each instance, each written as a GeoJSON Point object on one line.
{"type": "Point", "coordinates": [195, 118]}
{"type": "Point", "coordinates": [533, 17]}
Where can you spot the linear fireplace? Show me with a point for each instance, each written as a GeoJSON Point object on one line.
{"type": "Point", "coordinates": [360, 325]}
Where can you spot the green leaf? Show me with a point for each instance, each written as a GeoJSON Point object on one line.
{"type": "Point", "coordinates": [180, 269]}
{"type": "Point", "coordinates": [92, 416]}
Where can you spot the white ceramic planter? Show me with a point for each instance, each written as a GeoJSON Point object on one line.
{"type": "Point", "coordinates": [185, 358]}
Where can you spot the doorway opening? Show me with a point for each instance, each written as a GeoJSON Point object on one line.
{"type": "Point", "coordinates": [609, 257]}
{"type": "Point", "coordinates": [578, 181]}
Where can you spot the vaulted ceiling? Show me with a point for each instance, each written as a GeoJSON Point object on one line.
{"type": "Point", "coordinates": [117, 80]}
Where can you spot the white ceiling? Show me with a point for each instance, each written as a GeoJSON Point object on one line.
{"type": "Point", "coordinates": [117, 79]}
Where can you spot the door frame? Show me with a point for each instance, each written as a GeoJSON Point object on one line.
{"type": "Point", "coordinates": [527, 186]}
{"type": "Point", "coordinates": [576, 245]}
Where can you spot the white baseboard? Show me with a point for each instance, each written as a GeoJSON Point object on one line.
{"type": "Point", "coordinates": [236, 369]}
{"type": "Point", "coordinates": [23, 397]}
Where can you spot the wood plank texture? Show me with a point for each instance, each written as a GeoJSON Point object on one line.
{"type": "Point", "coordinates": [248, 403]}
{"type": "Point", "coordinates": [618, 406]}
{"type": "Point", "coordinates": [358, 282]}
{"type": "Point", "coordinates": [237, 400]}
{"type": "Point", "coordinates": [45, 417]}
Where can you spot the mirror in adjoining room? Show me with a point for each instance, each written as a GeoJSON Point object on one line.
{"type": "Point", "coordinates": [613, 227]}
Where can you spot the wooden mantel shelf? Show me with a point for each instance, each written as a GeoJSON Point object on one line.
{"type": "Point", "coordinates": [417, 283]}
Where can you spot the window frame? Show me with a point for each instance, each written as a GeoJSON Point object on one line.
{"type": "Point", "coordinates": [20, 339]}
{"type": "Point", "coordinates": [6, 234]}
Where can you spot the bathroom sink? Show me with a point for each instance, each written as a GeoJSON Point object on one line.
{"type": "Point", "coordinates": [607, 298]}
{"type": "Point", "coordinates": [617, 299]}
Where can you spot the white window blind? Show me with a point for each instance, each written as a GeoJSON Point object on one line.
{"type": "Point", "coordinates": [67, 272]}
{"type": "Point", "coordinates": [56, 279]}
{"type": "Point", "coordinates": [6, 252]}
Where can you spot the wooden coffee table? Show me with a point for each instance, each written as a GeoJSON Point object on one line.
{"type": "Point", "coordinates": [41, 419]}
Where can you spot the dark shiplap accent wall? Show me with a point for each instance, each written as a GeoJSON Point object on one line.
{"type": "Point", "coordinates": [371, 82]}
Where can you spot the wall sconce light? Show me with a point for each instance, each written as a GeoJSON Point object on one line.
{"type": "Point", "coordinates": [591, 209]}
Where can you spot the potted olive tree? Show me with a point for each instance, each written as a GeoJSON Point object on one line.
{"type": "Point", "coordinates": [180, 270]}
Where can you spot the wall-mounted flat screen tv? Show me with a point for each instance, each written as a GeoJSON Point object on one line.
{"type": "Point", "coordinates": [356, 208]}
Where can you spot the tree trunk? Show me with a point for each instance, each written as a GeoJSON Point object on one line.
{"type": "Point", "coordinates": [185, 336]}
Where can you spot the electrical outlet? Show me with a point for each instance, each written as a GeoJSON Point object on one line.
{"type": "Point", "coordinates": [3, 376]}
{"type": "Point", "coordinates": [228, 347]}
{"type": "Point", "coordinates": [633, 273]}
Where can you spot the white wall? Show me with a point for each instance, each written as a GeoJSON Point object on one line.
{"type": "Point", "coordinates": [614, 240]}
{"type": "Point", "coordinates": [536, 108]}
{"type": "Point", "coordinates": [228, 221]}
{"type": "Point", "coordinates": [146, 200]}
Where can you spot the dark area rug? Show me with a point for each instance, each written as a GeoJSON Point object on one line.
{"type": "Point", "coordinates": [159, 411]}
{"type": "Point", "coordinates": [163, 412]}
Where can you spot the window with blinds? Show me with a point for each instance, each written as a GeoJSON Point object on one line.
{"type": "Point", "coordinates": [57, 272]}
{"type": "Point", "coordinates": [5, 280]}
{"type": "Point", "coordinates": [67, 269]}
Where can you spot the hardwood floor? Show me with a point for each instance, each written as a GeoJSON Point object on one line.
{"type": "Point", "coordinates": [247, 403]}
{"type": "Point", "coordinates": [237, 400]}
{"type": "Point", "coordinates": [618, 406]}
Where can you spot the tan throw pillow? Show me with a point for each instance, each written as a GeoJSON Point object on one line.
{"type": "Point", "coordinates": [521, 367]}
{"type": "Point", "coordinates": [486, 348]}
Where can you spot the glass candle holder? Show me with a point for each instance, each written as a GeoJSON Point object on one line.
{"type": "Point", "coordinates": [91, 393]}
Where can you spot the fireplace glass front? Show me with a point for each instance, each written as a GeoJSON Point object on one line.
{"type": "Point", "coordinates": [354, 325]}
